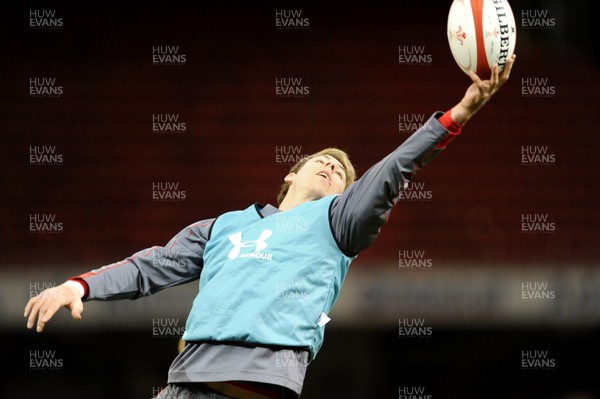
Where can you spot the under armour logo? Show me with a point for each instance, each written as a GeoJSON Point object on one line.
{"type": "Point", "coordinates": [259, 244]}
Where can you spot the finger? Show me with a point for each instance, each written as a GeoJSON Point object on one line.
{"type": "Point", "coordinates": [76, 310]}
{"type": "Point", "coordinates": [45, 305]}
{"type": "Point", "coordinates": [475, 78]}
{"type": "Point", "coordinates": [479, 84]}
{"type": "Point", "coordinates": [508, 67]}
{"type": "Point", "coordinates": [29, 305]}
{"type": "Point", "coordinates": [494, 76]}
{"type": "Point", "coordinates": [46, 313]}
{"type": "Point", "coordinates": [39, 327]}
{"type": "Point", "coordinates": [34, 310]}
{"type": "Point", "coordinates": [38, 304]}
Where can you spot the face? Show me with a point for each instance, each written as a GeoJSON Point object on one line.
{"type": "Point", "coordinates": [319, 176]}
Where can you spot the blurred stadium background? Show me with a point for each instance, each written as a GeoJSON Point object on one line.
{"type": "Point", "coordinates": [478, 259]}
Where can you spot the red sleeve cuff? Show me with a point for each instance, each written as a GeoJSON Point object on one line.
{"type": "Point", "coordinates": [453, 128]}
{"type": "Point", "coordinates": [86, 287]}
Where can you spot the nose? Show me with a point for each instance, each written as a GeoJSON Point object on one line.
{"type": "Point", "coordinates": [331, 165]}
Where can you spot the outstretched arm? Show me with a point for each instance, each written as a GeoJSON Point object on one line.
{"type": "Point", "coordinates": [142, 274]}
{"type": "Point", "coordinates": [358, 214]}
{"type": "Point", "coordinates": [151, 270]}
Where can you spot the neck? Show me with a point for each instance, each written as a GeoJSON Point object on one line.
{"type": "Point", "coordinates": [291, 201]}
{"type": "Point", "coordinates": [289, 204]}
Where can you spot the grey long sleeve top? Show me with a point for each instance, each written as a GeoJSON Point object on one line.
{"type": "Point", "coordinates": [356, 217]}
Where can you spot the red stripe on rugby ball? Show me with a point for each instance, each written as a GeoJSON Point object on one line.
{"type": "Point", "coordinates": [483, 66]}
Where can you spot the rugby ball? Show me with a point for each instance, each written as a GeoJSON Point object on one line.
{"type": "Point", "coordinates": [481, 33]}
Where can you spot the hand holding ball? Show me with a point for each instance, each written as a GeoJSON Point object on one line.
{"type": "Point", "coordinates": [481, 33]}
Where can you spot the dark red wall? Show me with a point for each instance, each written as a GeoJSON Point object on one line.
{"type": "Point", "coordinates": [225, 93]}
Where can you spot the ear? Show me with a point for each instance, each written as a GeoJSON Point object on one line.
{"type": "Point", "coordinates": [289, 178]}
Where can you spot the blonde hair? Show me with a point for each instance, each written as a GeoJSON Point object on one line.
{"type": "Point", "coordinates": [336, 153]}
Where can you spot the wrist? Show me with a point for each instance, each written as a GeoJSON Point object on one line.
{"type": "Point", "coordinates": [450, 124]}
{"type": "Point", "coordinates": [461, 114]}
{"type": "Point", "coordinates": [76, 287]}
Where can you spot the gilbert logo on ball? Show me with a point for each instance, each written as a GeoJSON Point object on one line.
{"type": "Point", "coordinates": [481, 33]}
